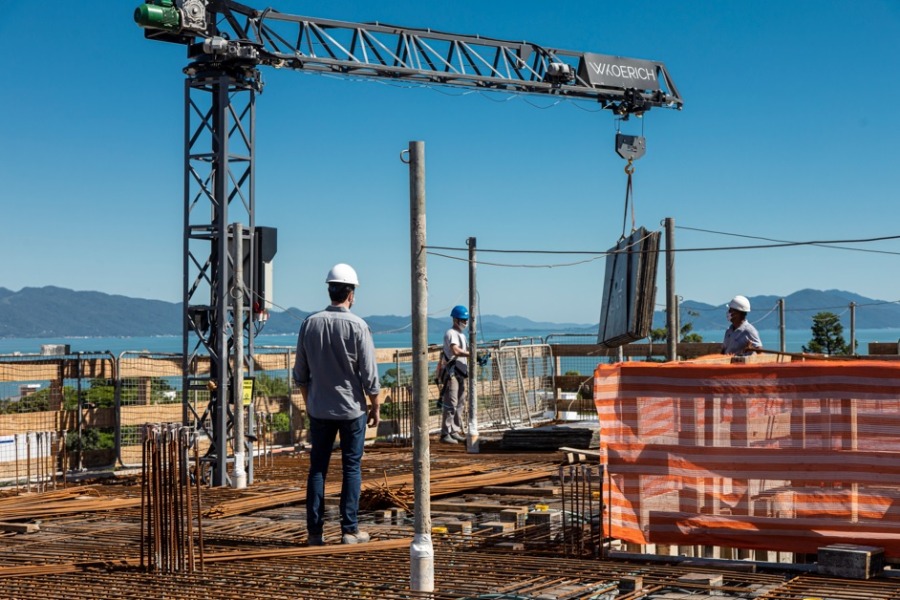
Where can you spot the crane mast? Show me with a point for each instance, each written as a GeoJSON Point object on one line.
{"type": "Point", "coordinates": [226, 44]}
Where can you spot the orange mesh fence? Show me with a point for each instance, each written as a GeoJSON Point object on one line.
{"type": "Point", "coordinates": [777, 456]}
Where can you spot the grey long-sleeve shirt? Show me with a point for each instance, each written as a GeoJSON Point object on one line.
{"type": "Point", "coordinates": [336, 363]}
{"type": "Point", "coordinates": [738, 339]}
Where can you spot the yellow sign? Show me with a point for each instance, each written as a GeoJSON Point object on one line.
{"type": "Point", "coordinates": [248, 392]}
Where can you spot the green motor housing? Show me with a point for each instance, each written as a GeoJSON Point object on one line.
{"type": "Point", "coordinates": [160, 15]}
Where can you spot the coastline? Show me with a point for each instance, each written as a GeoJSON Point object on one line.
{"type": "Point", "coordinates": [794, 340]}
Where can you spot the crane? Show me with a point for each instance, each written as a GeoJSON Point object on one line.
{"type": "Point", "coordinates": [227, 42]}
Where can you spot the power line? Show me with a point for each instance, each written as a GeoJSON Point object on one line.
{"type": "Point", "coordinates": [778, 244]}
{"type": "Point", "coordinates": [825, 244]}
{"type": "Point", "coordinates": [787, 310]}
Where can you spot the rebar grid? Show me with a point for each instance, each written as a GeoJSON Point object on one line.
{"type": "Point", "coordinates": [458, 574]}
{"type": "Point", "coordinates": [260, 555]}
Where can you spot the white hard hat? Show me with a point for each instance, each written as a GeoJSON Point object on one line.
{"type": "Point", "coordinates": [740, 303]}
{"type": "Point", "coordinates": [342, 273]}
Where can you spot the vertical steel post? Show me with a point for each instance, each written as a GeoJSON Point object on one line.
{"type": "Point", "coordinates": [219, 334]}
{"type": "Point", "coordinates": [237, 393]}
{"type": "Point", "coordinates": [781, 330]}
{"type": "Point", "coordinates": [853, 328]}
{"type": "Point", "coordinates": [80, 406]}
{"type": "Point", "coordinates": [472, 436]}
{"type": "Point", "coordinates": [421, 550]}
{"type": "Point", "coordinates": [671, 300]}
{"type": "Point", "coordinates": [219, 178]}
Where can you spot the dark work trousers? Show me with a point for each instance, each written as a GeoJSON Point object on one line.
{"type": "Point", "coordinates": [322, 433]}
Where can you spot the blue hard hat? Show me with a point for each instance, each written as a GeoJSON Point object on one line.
{"type": "Point", "coordinates": [460, 312]}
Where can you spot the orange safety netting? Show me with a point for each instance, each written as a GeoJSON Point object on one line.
{"type": "Point", "coordinates": [778, 456]}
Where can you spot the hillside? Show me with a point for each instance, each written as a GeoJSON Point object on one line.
{"type": "Point", "coordinates": [58, 312]}
{"type": "Point", "coordinates": [799, 309]}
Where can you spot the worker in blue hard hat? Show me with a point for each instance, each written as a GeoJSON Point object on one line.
{"type": "Point", "coordinates": [741, 338]}
{"type": "Point", "coordinates": [454, 371]}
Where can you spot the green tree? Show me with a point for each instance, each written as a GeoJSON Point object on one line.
{"type": "Point", "coordinates": [91, 439]}
{"type": "Point", "coordinates": [827, 335]}
{"type": "Point", "coordinates": [393, 378]}
{"type": "Point", "coordinates": [687, 332]}
{"type": "Point", "coordinates": [271, 387]}
{"type": "Point", "coordinates": [36, 402]}
{"type": "Point", "coordinates": [280, 422]}
{"type": "Point", "coordinates": [687, 335]}
{"type": "Point", "coordinates": [100, 394]}
{"type": "Point", "coordinates": [658, 335]}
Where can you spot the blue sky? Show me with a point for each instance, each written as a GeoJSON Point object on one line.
{"type": "Point", "coordinates": [789, 132]}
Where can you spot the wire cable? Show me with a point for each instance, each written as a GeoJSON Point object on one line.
{"type": "Point", "coordinates": [785, 243]}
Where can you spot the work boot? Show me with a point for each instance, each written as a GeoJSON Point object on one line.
{"type": "Point", "coordinates": [448, 439]}
{"type": "Point", "coordinates": [360, 537]}
{"type": "Point", "coordinates": [315, 539]}
{"type": "Point", "coordinates": [458, 436]}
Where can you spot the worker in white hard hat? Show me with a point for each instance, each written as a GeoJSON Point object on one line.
{"type": "Point", "coordinates": [741, 338]}
{"type": "Point", "coordinates": [336, 372]}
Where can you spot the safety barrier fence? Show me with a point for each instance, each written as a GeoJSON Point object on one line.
{"type": "Point", "coordinates": [514, 385]}
{"type": "Point", "coordinates": [81, 410]}
{"type": "Point", "coordinates": [85, 409]}
{"type": "Point", "coordinates": [783, 457]}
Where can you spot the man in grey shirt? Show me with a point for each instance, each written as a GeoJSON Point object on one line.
{"type": "Point", "coordinates": [336, 372]}
{"type": "Point", "coordinates": [741, 338]}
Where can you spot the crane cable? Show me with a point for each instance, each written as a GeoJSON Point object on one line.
{"type": "Point", "coordinates": [631, 148]}
{"type": "Point", "coordinates": [629, 199]}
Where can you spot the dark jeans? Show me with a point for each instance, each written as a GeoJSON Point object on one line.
{"type": "Point", "coordinates": [322, 433]}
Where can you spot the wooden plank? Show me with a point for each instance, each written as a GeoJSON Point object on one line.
{"type": "Point", "coordinates": [581, 455]}
{"type": "Point", "coordinates": [520, 490]}
{"type": "Point", "coordinates": [130, 366]}
{"type": "Point", "coordinates": [881, 348]}
{"type": "Point", "coordinates": [404, 355]}
{"type": "Point", "coordinates": [30, 371]}
{"type": "Point", "coordinates": [159, 413]}
{"type": "Point", "coordinates": [686, 350]}
{"type": "Point", "coordinates": [472, 507]}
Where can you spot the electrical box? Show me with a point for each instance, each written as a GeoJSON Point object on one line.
{"type": "Point", "coordinates": [266, 245]}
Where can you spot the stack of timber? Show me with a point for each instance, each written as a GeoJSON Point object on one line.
{"type": "Point", "coordinates": [552, 437]}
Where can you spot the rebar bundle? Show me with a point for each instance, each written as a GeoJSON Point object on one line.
{"type": "Point", "coordinates": [167, 513]}
{"type": "Point", "coordinates": [582, 508]}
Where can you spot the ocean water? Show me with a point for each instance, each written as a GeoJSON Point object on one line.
{"type": "Point", "coordinates": [794, 340]}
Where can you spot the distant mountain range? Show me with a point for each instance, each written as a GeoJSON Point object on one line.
{"type": "Point", "coordinates": [57, 312]}
{"type": "Point", "coordinates": [799, 309]}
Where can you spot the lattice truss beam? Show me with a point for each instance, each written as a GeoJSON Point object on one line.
{"type": "Point", "coordinates": [233, 31]}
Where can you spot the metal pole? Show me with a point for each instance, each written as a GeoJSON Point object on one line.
{"type": "Point", "coordinates": [220, 270]}
{"type": "Point", "coordinates": [472, 438]}
{"type": "Point", "coordinates": [678, 301]}
{"type": "Point", "coordinates": [237, 392]}
{"type": "Point", "coordinates": [853, 328]}
{"type": "Point", "coordinates": [80, 421]}
{"type": "Point", "coordinates": [421, 551]}
{"type": "Point", "coordinates": [781, 324]}
{"type": "Point", "coordinates": [671, 301]}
